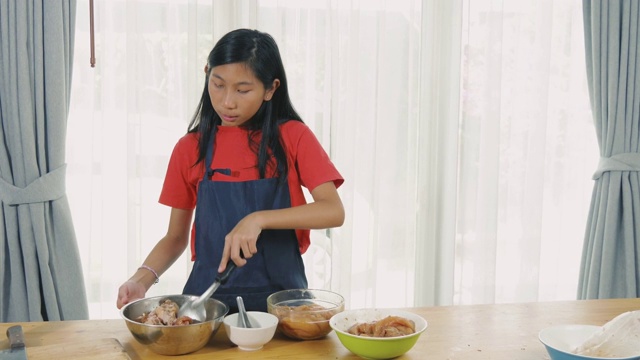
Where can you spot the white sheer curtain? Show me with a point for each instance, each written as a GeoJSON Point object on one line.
{"type": "Point", "coordinates": [527, 152]}
{"type": "Point", "coordinates": [461, 127]}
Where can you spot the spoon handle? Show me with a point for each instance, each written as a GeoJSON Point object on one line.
{"type": "Point", "coordinates": [242, 316]}
{"type": "Point", "coordinates": [221, 278]}
{"type": "Point", "coordinates": [224, 276]}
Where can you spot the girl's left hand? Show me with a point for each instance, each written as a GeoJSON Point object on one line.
{"type": "Point", "coordinates": [240, 243]}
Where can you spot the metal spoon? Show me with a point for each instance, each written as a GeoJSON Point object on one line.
{"type": "Point", "coordinates": [195, 308]}
{"type": "Point", "coordinates": [243, 318]}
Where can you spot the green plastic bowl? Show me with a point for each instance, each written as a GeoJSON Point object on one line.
{"type": "Point", "coordinates": [370, 347]}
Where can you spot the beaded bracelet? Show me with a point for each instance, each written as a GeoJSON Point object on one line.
{"type": "Point", "coordinates": [153, 271]}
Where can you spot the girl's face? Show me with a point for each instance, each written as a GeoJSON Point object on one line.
{"type": "Point", "coordinates": [236, 93]}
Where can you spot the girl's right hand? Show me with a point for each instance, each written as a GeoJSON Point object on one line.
{"type": "Point", "coordinates": [240, 243]}
{"type": "Point", "coordinates": [130, 291]}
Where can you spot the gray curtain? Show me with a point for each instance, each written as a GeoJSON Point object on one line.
{"type": "Point", "coordinates": [611, 255]}
{"type": "Point", "coordinates": [40, 269]}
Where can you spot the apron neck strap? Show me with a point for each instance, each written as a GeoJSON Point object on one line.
{"type": "Point", "coordinates": [208, 173]}
{"type": "Point", "coordinates": [209, 160]}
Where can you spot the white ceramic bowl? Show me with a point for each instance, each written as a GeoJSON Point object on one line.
{"type": "Point", "coordinates": [254, 338]}
{"type": "Point", "coordinates": [560, 341]}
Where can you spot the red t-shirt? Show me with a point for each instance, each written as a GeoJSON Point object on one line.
{"type": "Point", "coordinates": [309, 166]}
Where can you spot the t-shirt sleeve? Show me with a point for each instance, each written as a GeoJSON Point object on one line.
{"type": "Point", "coordinates": [180, 183]}
{"type": "Point", "coordinates": [312, 162]}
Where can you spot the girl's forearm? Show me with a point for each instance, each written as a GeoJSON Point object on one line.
{"type": "Point", "coordinates": [316, 215]}
{"type": "Point", "coordinates": [167, 250]}
{"type": "Point", "coordinates": [163, 255]}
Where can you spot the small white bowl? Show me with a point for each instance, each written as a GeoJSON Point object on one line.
{"type": "Point", "coordinates": [251, 339]}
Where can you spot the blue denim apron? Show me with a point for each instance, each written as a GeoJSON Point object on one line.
{"type": "Point", "coordinates": [276, 266]}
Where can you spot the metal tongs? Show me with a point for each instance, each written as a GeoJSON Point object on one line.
{"type": "Point", "coordinates": [195, 308]}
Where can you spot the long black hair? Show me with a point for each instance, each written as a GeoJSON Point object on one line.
{"type": "Point", "coordinates": [259, 52]}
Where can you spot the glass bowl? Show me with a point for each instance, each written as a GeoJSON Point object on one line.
{"type": "Point", "coordinates": [304, 314]}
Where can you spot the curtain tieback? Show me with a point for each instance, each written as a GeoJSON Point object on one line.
{"type": "Point", "coordinates": [50, 186]}
{"type": "Point", "coordinates": [618, 162]}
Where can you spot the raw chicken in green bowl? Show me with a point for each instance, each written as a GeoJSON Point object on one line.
{"type": "Point", "coordinates": [378, 333]}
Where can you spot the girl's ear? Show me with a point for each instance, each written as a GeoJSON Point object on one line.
{"type": "Point", "coordinates": [206, 68]}
{"type": "Point", "coordinates": [269, 94]}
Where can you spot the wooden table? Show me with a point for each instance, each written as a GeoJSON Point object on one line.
{"type": "Point", "coordinates": [501, 331]}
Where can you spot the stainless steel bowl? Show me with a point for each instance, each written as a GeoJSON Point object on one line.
{"type": "Point", "coordinates": [173, 340]}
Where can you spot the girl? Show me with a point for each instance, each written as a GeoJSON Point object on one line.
{"type": "Point", "coordinates": [241, 166]}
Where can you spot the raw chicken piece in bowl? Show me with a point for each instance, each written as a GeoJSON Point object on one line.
{"type": "Point", "coordinates": [378, 333]}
